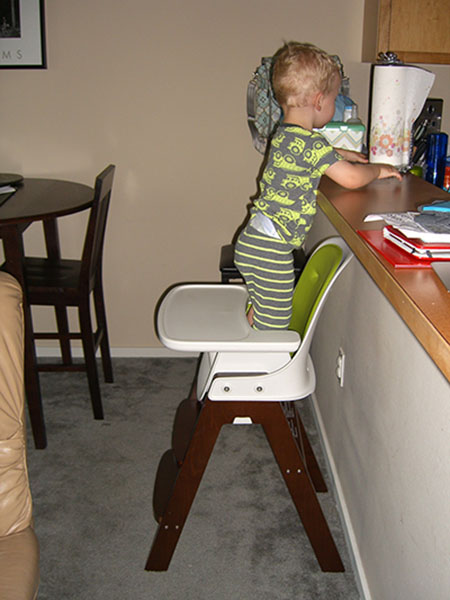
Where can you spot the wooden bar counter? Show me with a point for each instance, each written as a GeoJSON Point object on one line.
{"type": "Point", "coordinates": [418, 295]}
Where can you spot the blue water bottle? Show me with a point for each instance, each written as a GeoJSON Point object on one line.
{"type": "Point", "coordinates": [436, 158]}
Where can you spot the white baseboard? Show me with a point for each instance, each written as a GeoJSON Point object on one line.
{"type": "Point", "coordinates": [349, 533]}
{"type": "Point", "coordinates": [160, 352]}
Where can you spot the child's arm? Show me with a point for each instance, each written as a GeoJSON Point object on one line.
{"type": "Point", "coordinates": [353, 176]}
{"type": "Point", "coordinates": [352, 155]}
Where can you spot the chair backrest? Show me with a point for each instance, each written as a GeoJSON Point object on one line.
{"type": "Point", "coordinates": [95, 233]}
{"type": "Point", "coordinates": [287, 377]}
{"type": "Point", "coordinates": [322, 269]}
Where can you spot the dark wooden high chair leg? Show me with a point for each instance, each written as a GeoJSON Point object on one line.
{"type": "Point", "coordinates": [298, 431]}
{"type": "Point", "coordinates": [197, 426]}
{"type": "Point", "coordinates": [176, 486]}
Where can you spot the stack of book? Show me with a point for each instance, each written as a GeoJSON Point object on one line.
{"type": "Point", "coordinates": [411, 239]}
{"type": "Point", "coordinates": [434, 247]}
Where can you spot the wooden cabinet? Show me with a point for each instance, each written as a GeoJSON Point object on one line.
{"type": "Point", "coordinates": [418, 31]}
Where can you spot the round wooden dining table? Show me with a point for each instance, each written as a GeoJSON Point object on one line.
{"type": "Point", "coordinates": [36, 200]}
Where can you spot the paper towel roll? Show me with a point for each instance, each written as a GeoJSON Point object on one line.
{"type": "Point", "coordinates": [398, 95]}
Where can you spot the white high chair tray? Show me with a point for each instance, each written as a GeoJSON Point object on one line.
{"type": "Point", "coordinates": [211, 318]}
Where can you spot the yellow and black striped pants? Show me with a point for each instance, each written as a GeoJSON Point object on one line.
{"type": "Point", "coordinates": [267, 267]}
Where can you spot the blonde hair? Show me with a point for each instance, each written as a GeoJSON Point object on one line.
{"type": "Point", "coordinates": [300, 71]}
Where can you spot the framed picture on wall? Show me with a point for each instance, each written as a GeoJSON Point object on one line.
{"type": "Point", "coordinates": [22, 34]}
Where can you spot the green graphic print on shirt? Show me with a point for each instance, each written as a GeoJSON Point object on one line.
{"type": "Point", "coordinates": [297, 160]}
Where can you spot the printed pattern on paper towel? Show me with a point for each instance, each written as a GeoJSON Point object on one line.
{"type": "Point", "coordinates": [398, 95]}
{"type": "Point", "coordinates": [390, 139]}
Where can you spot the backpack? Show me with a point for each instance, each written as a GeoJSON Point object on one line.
{"type": "Point", "coordinates": [263, 111]}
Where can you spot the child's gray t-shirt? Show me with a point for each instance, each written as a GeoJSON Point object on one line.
{"type": "Point", "coordinates": [297, 160]}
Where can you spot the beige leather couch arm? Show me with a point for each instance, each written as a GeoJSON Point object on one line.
{"type": "Point", "coordinates": [19, 549]}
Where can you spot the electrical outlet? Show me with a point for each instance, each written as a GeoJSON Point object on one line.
{"type": "Point", "coordinates": [340, 367]}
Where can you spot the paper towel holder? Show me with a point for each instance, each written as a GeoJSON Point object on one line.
{"type": "Point", "coordinates": [400, 149]}
{"type": "Point", "coordinates": [388, 58]}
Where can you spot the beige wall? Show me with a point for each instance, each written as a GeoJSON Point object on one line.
{"type": "Point", "coordinates": [158, 88]}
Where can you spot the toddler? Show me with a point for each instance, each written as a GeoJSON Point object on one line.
{"type": "Point", "coordinates": [306, 81]}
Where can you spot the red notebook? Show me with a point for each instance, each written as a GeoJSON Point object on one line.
{"type": "Point", "coordinates": [392, 253]}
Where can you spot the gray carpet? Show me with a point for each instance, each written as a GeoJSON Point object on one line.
{"type": "Point", "coordinates": [92, 489]}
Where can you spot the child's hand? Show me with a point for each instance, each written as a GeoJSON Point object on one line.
{"type": "Point", "coordinates": [353, 175]}
{"type": "Point", "coordinates": [352, 155]}
{"type": "Point", "coordinates": [389, 171]}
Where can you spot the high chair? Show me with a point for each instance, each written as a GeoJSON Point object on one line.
{"type": "Point", "coordinates": [244, 376]}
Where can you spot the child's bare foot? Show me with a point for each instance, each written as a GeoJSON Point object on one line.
{"type": "Point", "coordinates": [250, 314]}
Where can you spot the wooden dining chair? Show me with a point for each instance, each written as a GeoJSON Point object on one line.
{"type": "Point", "coordinates": [62, 283]}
